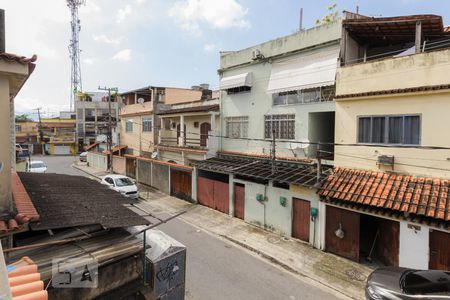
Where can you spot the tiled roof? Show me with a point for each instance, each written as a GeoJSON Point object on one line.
{"type": "Point", "coordinates": [116, 148]}
{"type": "Point", "coordinates": [180, 149]}
{"type": "Point", "coordinates": [15, 58]}
{"type": "Point", "coordinates": [396, 91]}
{"type": "Point", "coordinates": [25, 280]}
{"type": "Point", "coordinates": [420, 196]}
{"type": "Point", "coordinates": [199, 108]}
{"type": "Point", "coordinates": [89, 147]}
{"type": "Point", "coordinates": [262, 155]}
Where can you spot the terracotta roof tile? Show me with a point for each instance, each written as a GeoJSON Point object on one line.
{"type": "Point", "coordinates": [25, 280]}
{"type": "Point", "coordinates": [428, 197]}
{"type": "Point", "coordinates": [16, 58]}
{"type": "Point", "coordinates": [22, 201]}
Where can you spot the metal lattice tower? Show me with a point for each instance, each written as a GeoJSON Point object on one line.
{"type": "Point", "coordinates": [74, 50]}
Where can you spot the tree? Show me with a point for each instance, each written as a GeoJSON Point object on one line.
{"type": "Point", "coordinates": [331, 16]}
{"type": "Point", "coordinates": [23, 118]}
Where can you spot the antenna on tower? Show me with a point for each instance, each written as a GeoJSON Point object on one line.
{"type": "Point", "coordinates": [74, 50]}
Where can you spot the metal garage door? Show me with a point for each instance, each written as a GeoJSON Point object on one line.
{"type": "Point", "coordinates": [213, 193]}
{"type": "Point", "coordinates": [181, 184]}
{"type": "Point", "coordinates": [61, 150]}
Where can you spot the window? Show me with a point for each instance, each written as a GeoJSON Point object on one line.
{"type": "Point", "coordinates": [283, 126]}
{"type": "Point", "coordinates": [129, 126]}
{"type": "Point", "coordinates": [403, 130]}
{"type": "Point", "coordinates": [146, 124]}
{"type": "Point", "coordinates": [240, 89]}
{"type": "Point", "coordinates": [237, 127]}
{"type": "Point", "coordinates": [18, 128]}
{"type": "Point", "coordinates": [320, 94]}
{"type": "Point", "coordinates": [431, 282]}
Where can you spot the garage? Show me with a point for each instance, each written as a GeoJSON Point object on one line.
{"type": "Point", "coordinates": [439, 250]}
{"type": "Point", "coordinates": [213, 191]}
{"type": "Point", "coordinates": [61, 150]}
{"type": "Point", "coordinates": [181, 184]}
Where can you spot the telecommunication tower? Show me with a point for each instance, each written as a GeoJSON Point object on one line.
{"type": "Point", "coordinates": [74, 50]}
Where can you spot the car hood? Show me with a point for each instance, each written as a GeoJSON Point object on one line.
{"type": "Point", "coordinates": [388, 278]}
{"type": "Point", "coordinates": [126, 189]}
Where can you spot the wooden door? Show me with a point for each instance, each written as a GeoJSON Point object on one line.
{"type": "Point", "coordinates": [239, 200]}
{"type": "Point", "coordinates": [205, 191]}
{"type": "Point", "coordinates": [204, 130]}
{"type": "Point", "coordinates": [348, 246]}
{"type": "Point", "coordinates": [439, 250]}
{"type": "Point", "coordinates": [301, 219]}
{"type": "Point", "coordinates": [130, 167]}
{"type": "Point", "coordinates": [181, 184]}
{"type": "Point", "coordinates": [388, 243]}
{"type": "Point", "coordinates": [221, 196]}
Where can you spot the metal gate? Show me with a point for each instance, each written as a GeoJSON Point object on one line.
{"type": "Point", "coordinates": [131, 167]}
{"type": "Point", "coordinates": [239, 200]}
{"type": "Point", "coordinates": [300, 219]}
{"type": "Point", "coordinates": [213, 193]}
{"type": "Point", "coordinates": [181, 184]}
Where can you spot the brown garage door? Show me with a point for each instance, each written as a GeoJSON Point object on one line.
{"type": "Point", "coordinates": [439, 250]}
{"type": "Point", "coordinates": [131, 167]}
{"type": "Point", "coordinates": [348, 246]}
{"type": "Point", "coordinates": [239, 200]}
{"type": "Point", "coordinates": [181, 184]}
{"type": "Point", "coordinates": [213, 193]}
{"type": "Point", "coordinates": [300, 219]}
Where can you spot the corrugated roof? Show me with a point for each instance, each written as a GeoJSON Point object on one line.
{"type": "Point", "coordinates": [421, 196]}
{"type": "Point", "coordinates": [67, 201]}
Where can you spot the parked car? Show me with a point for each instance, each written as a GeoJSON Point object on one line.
{"type": "Point", "coordinates": [83, 156]}
{"type": "Point", "coordinates": [401, 283]}
{"type": "Point", "coordinates": [122, 184]}
{"type": "Point", "coordinates": [36, 166]}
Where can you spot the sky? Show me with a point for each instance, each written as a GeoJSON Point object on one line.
{"type": "Point", "coordinates": [130, 44]}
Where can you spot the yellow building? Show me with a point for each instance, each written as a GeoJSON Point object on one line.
{"type": "Point", "coordinates": [59, 136]}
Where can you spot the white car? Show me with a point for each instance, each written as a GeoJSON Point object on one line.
{"type": "Point", "coordinates": [83, 156]}
{"type": "Point", "coordinates": [122, 184]}
{"type": "Point", "coordinates": [36, 166]}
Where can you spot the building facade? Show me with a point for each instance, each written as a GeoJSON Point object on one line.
{"type": "Point", "coordinates": [387, 198]}
{"type": "Point", "coordinates": [58, 136]}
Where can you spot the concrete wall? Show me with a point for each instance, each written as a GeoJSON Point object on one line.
{"type": "Point", "coordinates": [422, 69]}
{"type": "Point", "coordinates": [119, 165]}
{"type": "Point", "coordinates": [161, 175]}
{"type": "Point", "coordinates": [180, 95]}
{"type": "Point", "coordinates": [144, 170]}
{"type": "Point", "coordinates": [98, 161]}
{"type": "Point", "coordinates": [257, 103]}
{"type": "Point", "coordinates": [5, 152]}
{"type": "Point", "coordinates": [433, 109]}
{"type": "Point", "coordinates": [414, 246]}
{"type": "Point", "coordinates": [137, 140]}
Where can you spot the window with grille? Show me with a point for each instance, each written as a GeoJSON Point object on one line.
{"type": "Point", "coordinates": [283, 126]}
{"type": "Point", "coordinates": [319, 94]}
{"type": "Point", "coordinates": [403, 129]}
{"type": "Point", "coordinates": [237, 127]}
{"type": "Point", "coordinates": [129, 126]}
{"type": "Point", "coordinates": [146, 124]}
{"type": "Point", "coordinates": [18, 128]}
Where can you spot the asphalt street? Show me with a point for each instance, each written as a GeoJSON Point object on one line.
{"type": "Point", "coordinates": [218, 269]}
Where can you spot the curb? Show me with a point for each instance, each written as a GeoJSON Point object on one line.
{"type": "Point", "coordinates": [84, 171]}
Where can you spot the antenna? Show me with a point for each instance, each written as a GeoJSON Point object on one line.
{"type": "Point", "coordinates": [74, 49]}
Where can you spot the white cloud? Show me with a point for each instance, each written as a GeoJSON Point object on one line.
{"type": "Point", "coordinates": [89, 61]}
{"type": "Point", "coordinates": [107, 40]}
{"type": "Point", "coordinates": [123, 55]}
{"type": "Point", "coordinates": [221, 14]}
{"type": "Point", "coordinates": [122, 13]}
{"type": "Point", "coordinates": [209, 47]}
{"type": "Point", "coordinates": [90, 7]}
{"type": "Point", "coordinates": [28, 105]}
{"type": "Point", "coordinates": [139, 2]}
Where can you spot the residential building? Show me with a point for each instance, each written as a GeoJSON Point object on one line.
{"type": "Point", "coordinates": [27, 135]}
{"type": "Point", "coordinates": [140, 114]}
{"type": "Point", "coordinates": [277, 103]}
{"type": "Point", "coordinates": [58, 136]}
{"type": "Point", "coordinates": [388, 197]}
{"type": "Point", "coordinates": [92, 115]}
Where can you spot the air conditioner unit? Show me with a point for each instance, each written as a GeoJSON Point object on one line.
{"type": "Point", "coordinates": [256, 54]}
{"type": "Point", "coordinates": [173, 125]}
{"type": "Point", "coordinates": [387, 160]}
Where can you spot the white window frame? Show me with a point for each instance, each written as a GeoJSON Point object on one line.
{"type": "Point", "coordinates": [275, 118]}
{"type": "Point", "coordinates": [129, 125]}
{"type": "Point", "coordinates": [240, 124]}
{"type": "Point", "coordinates": [147, 124]}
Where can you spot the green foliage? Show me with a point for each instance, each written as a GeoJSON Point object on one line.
{"type": "Point", "coordinates": [332, 15]}
{"type": "Point", "coordinates": [23, 118]}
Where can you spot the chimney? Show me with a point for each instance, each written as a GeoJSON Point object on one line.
{"type": "Point", "coordinates": [2, 31]}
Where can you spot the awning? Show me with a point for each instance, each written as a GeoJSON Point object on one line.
{"type": "Point", "coordinates": [244, 79]}
{"type": "Point", "coordinates": [304, 71]}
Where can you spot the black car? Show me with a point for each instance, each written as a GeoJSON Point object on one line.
{"type": "Point", "coordinates": [401, 283]}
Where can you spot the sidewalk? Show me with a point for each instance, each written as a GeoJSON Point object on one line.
{"type": "Point", "coordinates": [339, 274]}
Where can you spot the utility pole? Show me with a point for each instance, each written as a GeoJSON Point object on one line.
{"type": "Point", "coordinates": [41, 134]}
{"type": "Point", "coordinates": [273, 152]}
{"type": "Point", "coordinates": [109, 137]}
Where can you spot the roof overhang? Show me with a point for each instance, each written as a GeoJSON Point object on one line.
{"type": "Point", "coordinates": [235, 81]}
{"type": "Point", "coordinates": [17, 69]}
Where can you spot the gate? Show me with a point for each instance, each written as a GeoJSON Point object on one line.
{"type": "Point", "coordinates": [213, 194]}
{"type": "Point", "coordinates": [131, 167]}
{"type": "Point", "coordinates": [439, 250]}
{"type": "Point", "coordinates": [181, 184]}
{"type": "Point", "coordinates": [239, 200]}
{"type": "Point", "coordinates": [300, 219]}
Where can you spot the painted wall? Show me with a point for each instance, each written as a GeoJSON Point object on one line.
{"type": "Point", "coordinates": [144, 170]}
{"type": "Point", "coordinates": [5, 152]}
{"type": "Point", "coordinates": [180, 95]}
{"type": "Point", "coordinates": [137, 140]}
{"type": "Point", "coordinates": [160, 178]}
{"type": "Point", "coordinates": [256, 104]}
{"type": "Point", "coordinates": [433, 108]}
{"type": "Point", "coordinates": [414, 246]}
{"type": "Point", "coordinates": [98, 161]}
{"type": "Point", "coordinates": [119, 165]}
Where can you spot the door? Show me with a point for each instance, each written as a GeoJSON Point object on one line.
{"type": "Point", "coordinates": [213, 194]}
{"type": "Point", "coordinates": [301, 219]}
{"type": "Point", "coordinates": [130, 167]}
{"type": "Point", "coordinates": [239, 200]}
{"type": "Point", "coordinates": [181, 184]}
{"type": "Point", "coordinates": [348, 223]}
{"type": "Point", "coordinates": [205, 128]}
{"type": "Point", "coordinates": [61, 150]}
{"type": "Point", "coordinates": [439, 250]}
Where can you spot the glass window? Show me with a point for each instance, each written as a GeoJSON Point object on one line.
{"type": "Point", "coordinates": [237, 127]}
{"type": "Point", "coordinates": [412, 130]}
{"type": "Point", "coordinates": [124, 181]}
{"type": "Point", "coordinates": [364, 130]}
{"type": "Point", "coordinates": [378, 129]}
{"type": "Point", "coordinates": [319, 94]}
{"type": "Point", "coordinates": [395, 130]}
{"type": "Point", "coordinates": [283, 126]}
{"type": "Point", "coordinates": [146, 124]}
{"type": "Point", "coordinates": [404, 130]}
{"type": "Point", "coordinates": [129, 126]}
{"type": "Point", "coordinates": [431, 282]}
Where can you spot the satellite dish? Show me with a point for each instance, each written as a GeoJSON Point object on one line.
{"type": "Point", "coordinates": [141, 100]}
{"type": "Point", "coordinates": [154, 154]}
